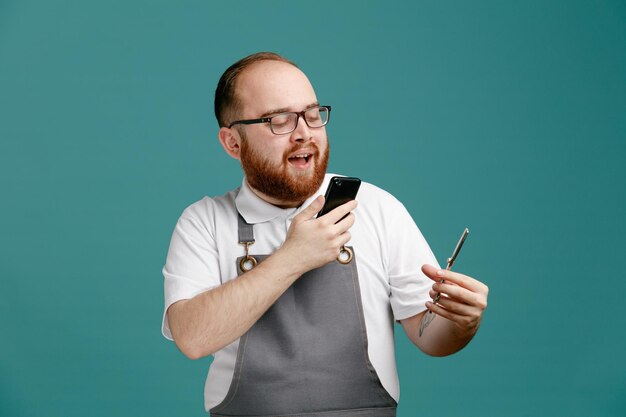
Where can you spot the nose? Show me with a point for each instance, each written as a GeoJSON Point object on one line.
{"type": "Point", "coordinates": [302, 132]}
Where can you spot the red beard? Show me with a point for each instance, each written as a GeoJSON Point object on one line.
{"type": "Point", "coordinates": [276, 181]}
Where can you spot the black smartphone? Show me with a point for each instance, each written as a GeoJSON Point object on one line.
{"type": "Point", "coordinates": [340, 190]}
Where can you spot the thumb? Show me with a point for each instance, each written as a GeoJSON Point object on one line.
{"type": "Point", "coordinates": [312, 209]}
{"type": "Point", "coordinates": [431, 272]}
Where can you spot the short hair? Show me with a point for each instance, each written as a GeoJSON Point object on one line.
{"type": "Point", "coordinates": [226, 102]}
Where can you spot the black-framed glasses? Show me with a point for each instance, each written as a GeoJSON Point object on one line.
{"type": "Point", "coordinates": [283, 123]}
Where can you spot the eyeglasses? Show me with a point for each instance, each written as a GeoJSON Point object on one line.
{"type": "Point", "coordinates": [283, 123]}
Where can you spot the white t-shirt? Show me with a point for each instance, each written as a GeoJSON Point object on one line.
{"type": "Point", "coordinates": [389, 247]}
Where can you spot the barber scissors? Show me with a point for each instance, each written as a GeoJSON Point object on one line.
{"type": "Point", "coordinates": [430, 315]}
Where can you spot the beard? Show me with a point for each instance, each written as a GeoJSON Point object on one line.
{"type": "Point", "coordinates": [276, 181]}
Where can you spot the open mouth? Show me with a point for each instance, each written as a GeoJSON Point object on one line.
{"type": "Point", "coordinates": [301, 160]}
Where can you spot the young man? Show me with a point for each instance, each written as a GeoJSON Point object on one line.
{"type": "Point", "coordinates": [252, 277]}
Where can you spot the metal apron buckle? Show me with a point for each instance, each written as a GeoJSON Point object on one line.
{"type": "Point", "coordinates": [248, 262]}
{"type": "Point", "coordinates": [345, 255]}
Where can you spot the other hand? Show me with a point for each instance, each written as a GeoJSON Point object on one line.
{"type": "Point", "coordinates": [463, 299]}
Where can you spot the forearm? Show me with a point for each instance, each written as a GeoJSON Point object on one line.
{"type": "Point", "coordinates": [441, 337]}
{"type": "Point", "coordinates": [211, 320]}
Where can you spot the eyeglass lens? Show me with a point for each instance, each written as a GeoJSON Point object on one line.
{"type": "Point", "coordinates": [287, 122]}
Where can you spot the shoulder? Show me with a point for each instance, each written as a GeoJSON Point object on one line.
{"type": "Point", "coordinates": [373, 196]}
{"type": "Point", "coordinates": [370, 190]}
{"type": "Point", "coordinates": [209, 210]}
{"type": "Point", "coordinates": [379, 209]}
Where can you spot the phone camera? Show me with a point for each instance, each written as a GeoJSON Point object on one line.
{"type": "Point", "coordinates": [339, 183]}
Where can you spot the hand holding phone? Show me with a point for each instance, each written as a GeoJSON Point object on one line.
{"type": "Point", "coordinates": [340, 190]}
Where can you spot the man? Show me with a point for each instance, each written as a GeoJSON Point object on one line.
{"type": "Point", "coordinates": [252, 277]}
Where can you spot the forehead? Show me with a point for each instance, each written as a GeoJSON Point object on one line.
{"type": "Point", "coordinates": [269, 85]}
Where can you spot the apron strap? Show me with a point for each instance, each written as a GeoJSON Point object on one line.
{"type": "Point", "coordinates": [246, 238]}
{"type": "Point", "coordinates": [246, 233]}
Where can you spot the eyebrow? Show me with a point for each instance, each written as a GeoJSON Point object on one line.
{"type": "Point", "coordinates": [286, 110]}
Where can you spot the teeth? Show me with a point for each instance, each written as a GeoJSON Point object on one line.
{"type": "Point", "coordinates": [306, 155]}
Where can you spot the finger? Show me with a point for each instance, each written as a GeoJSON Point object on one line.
{"type": "Point", "coordinates": [344, 224]}
{"type": "Point", "coordinates": [433, 294]}
{"type": "Point", "coordinates": [431, 272]}
{"type": "Point", "coordinates": [343, 239]}
{"type": "Point", "coordinates": [468, 322]}
{"type": "Point", "coordinates": [456, 292]}
{"type": "Point", "coordinates": [441, 311]}
{"type": "Point", "coordinates": [311, 210]}
{"type": "Point", "coordinates": [455, 307]}
{"type": "Point", "coordinates": [337, 214]}
{"type": "Point", "coordinates": [454, 277]}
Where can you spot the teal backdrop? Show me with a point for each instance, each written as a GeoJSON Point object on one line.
{"type": "Point", "coordinates": [505, 117]}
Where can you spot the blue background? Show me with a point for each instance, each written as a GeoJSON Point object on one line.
{"type": "Point", "coordinates": [506, 117]}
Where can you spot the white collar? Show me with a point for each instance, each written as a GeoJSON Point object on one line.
{"type": "Point", "coordinates": [256, 210]}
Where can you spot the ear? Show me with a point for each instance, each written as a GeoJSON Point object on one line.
{"type": "Point", "coordinates": [231, 141]}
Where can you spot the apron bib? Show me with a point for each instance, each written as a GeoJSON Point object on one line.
{"type": "Point", "coordinates": [307, 355]}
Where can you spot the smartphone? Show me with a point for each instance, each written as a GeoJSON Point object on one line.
{"type": "Point", "coordinates": [340, 190]}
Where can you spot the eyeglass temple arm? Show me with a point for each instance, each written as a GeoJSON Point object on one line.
{"type": "Point", "coordinates": [250, 122]}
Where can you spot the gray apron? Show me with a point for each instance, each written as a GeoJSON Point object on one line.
{"type": "Point", "coordinates": [307, 355]}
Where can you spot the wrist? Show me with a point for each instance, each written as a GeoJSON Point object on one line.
{"type": "Point", "coordinates": [286, 264]}
{"type": "Point", "coordinates": [464, 332]}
